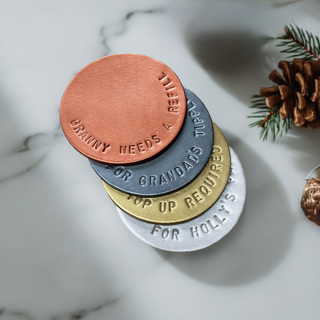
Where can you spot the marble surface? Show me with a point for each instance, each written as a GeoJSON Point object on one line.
{"type": "Point", "coordinates": [64, 252]}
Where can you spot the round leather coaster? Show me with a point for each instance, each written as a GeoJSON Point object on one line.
{"type": "Point", "coordinates": [123, 109]}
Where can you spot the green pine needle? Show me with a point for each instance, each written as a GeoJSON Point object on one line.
{"type": "Point", "coordinates": [298, 43]}
{"type": "Point", "coordinates": [270, 121]}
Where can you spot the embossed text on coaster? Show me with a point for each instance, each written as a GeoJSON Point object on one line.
{"type": "Point", "coordinates": [123, 109]}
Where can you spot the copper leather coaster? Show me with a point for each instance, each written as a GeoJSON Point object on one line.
{"type": "Point", "coordinates": [123, 109]}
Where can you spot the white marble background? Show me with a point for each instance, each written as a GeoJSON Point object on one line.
{"type": "Point", "coordinates": [64, 252]}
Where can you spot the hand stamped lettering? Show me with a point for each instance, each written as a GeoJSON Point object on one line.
{"type": "Point", "coordinates": [87, 138]}
{"type": "Point", "coordinates": [191, 201]}
{"type": "Point", "coordinates": [139, 147]}
{"type": "Point", "coordinates": [198, 123]}
{"type": "Point", "coordinates": [191, 160]}
{"type": "Point", "coordinates": [139, 201]}
{"type": "Point", "coordinates": [120, 172]}
{"type": "Point", "coordinates": [167, 206]}
{"type": "Point", "coordinates": [209, 182]}
{"type": "Point", "coordinates": [168, 126]}
{"type": "Point", "coordinates": [166, 232]}
{"type": "Point", "coordinates": [173, 98]}
{"type": "Point", "coordinates": [206, 227]}
{"type": "Point", "coordinates": [203, 230]}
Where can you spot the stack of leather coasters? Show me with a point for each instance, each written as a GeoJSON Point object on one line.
{"type": "Point", "coordinates": [177, 184]}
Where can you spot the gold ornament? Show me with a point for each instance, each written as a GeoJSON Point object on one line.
{"type": "Point", "coordinates": [310, 202]}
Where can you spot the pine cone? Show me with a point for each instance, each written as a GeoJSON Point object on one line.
{"type": "Point", "coordinates": [297, 93]}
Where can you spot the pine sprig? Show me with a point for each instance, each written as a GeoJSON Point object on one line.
{"type": "Point", "coordinates": [296, 43]}
{"type": "Point", "coordinates": [299, 43]}
{"type": "Point", "coordinates": [269, 121]}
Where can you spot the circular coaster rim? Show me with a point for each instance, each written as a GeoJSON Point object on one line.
{"type": "Point", "coordinates": [142, 156]}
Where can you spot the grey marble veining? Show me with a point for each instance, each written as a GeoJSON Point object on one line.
{"type": "Point", "coordinates": [119, 28]}
{"type": "Point", "coordinates": [28, 154]}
